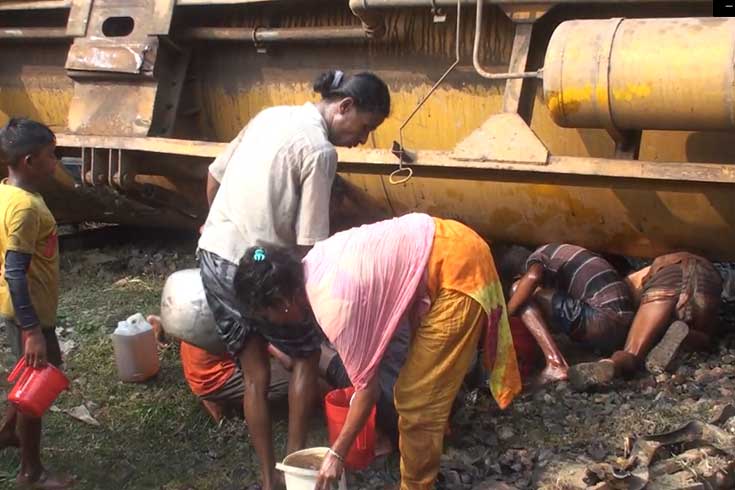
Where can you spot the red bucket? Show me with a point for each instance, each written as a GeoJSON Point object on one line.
{"type": "Point", "coordinates": [362, 452]}
{"type": "Point", "coordinates": [528, 353]}
{"type": "Point", "coordinates": [36, 390]}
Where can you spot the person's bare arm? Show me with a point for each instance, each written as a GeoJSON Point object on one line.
{"type": "Point", "coordinates": [525, 288]}
{"type": "Point", "coordinates": [212, 188]}
{"type": "Point", "coordinates": [360, 408]}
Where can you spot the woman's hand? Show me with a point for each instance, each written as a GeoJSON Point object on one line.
{"type": "Point", "coordinates": [330, 472]}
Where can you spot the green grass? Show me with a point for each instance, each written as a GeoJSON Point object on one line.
{"type": "Point", "coordinates": [152, 435]}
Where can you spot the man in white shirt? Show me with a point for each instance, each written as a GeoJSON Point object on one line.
{"type": "Point", "coordinates": [272, 186]}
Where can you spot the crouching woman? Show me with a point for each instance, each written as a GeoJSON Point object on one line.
{"type": "Point", "coordinates": [359, 284]}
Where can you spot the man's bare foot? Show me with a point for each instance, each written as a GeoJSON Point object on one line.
{"type": "Point", "coordinates": [552, 374]}
{"type": "Point", "coordinates": [45, 481]}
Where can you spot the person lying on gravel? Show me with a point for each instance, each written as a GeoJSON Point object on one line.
{"type": "Point", "coordinates": [682, 288]}
{"type": "Point", "coordinates": [29, 287]}
{"type": "Point", "coordinates": [358, 285]}
{"type": "Point", "coordinates": [568, 289]}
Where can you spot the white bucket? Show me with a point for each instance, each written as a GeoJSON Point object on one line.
{"type": "Point", "coordinates": [296, 469]}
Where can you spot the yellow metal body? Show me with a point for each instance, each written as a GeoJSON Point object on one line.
{"type": "Point", "coordinates": [642, 74]}
{"type": "Point", "coordinates": [633, 212]}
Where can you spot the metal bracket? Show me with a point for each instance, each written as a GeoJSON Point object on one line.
{"type": "Point", "coordinates": [627, 143]}
{"type": "Point", "coordinates": [440, 15]}
{"type": "Point", "coordinates": [518, 63]}
{"type": "Point", "coordinates": [525, 13]}
{"type": "Point", "coordinates": [76, 25]}
{"type": "Point", "coordinates": [127, 74]}
{"type": "Point", "coordinates": [260, 48]}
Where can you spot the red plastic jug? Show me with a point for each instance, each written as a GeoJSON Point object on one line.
{"type": "Point", "coordinates": [528, 352]}
{"type": "Point", "coordinates": [36, 390]}
{"type": "Point", "coordinates": [362, 452]}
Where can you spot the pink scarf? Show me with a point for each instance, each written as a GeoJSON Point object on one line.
{"type": "Point", "coordinates": [362, 281]}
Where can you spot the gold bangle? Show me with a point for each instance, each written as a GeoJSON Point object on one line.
{"type": "Point", "coordinates": [336, 455]}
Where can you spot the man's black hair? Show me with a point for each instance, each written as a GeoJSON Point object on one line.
{"type": "Point", "coordinates": [21, 137]}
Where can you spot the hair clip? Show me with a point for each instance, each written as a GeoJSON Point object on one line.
{"type": "Point", "coordinates": [338, 75]}
{"type": "Point", "coordinates": [259, 255]}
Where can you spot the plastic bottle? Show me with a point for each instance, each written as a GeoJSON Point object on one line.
{"type": "Point", "coordinates": [136, 354]}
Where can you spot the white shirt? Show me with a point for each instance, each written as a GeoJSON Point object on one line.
{"type": "Point", "coordinates": [275, 182]}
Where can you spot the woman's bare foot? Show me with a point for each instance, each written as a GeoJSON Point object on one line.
{"type": "Point", "coordinates": [44, 481]}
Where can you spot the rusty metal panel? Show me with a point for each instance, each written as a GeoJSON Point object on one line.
{"type": "Point", "coordinates": [106, 108]}
{"type": "Point", "coordinates": [78, 20]}
{"type": "Point", "coordinates": [160, 23]}
{"type": "Point", "coordinates": [132, 58]}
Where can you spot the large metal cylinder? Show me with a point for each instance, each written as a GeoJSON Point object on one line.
{"type": "Point", "coordinates": [672, 74]}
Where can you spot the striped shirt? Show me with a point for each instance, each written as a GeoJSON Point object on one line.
{"type": "Point", "coordinates": [584, 275]}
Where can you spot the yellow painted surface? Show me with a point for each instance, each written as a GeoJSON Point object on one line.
{"type": "Point", "coordinates": [632, 91]}
{"type": "Point", "coordinates": [447, 118]}
{"type": "Point", "coordinates": [634, 217]}
{"type": "Point", "coordinates": [630, 218]}
{"type": "Point", "coordinates": [47, 105]}
{"type": "Point", "coordinates": [674, 73]}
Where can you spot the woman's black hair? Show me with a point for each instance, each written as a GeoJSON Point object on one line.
{"type": "Point", "coordinates": [21, 137]}
{"type": "Point", "coordinates": [369, 92]}
{"type": "Point", "coordinates": [266, 276]}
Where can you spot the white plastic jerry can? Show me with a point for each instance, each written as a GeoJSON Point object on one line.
{"type": "Point", "coordinates": [136, 353]}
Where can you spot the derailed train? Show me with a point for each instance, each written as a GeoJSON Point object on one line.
{"type": "Point", "coordinates": [603, 123]}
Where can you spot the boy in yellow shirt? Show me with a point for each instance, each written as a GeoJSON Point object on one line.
{"type": "Point", "coordinates": [29, 283]}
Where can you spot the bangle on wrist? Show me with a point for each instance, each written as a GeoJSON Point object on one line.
{"type": "Point", "coordinates": [336, 455]}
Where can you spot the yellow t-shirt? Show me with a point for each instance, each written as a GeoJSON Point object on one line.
{"type": "Point", "coordinates": [27, 226]}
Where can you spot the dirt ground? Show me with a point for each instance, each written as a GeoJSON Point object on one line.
{"type": "Point", "coordinates": [155, 436]}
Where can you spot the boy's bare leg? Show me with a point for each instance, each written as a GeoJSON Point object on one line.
{"type": "Point", "coordinates": [29, 430]}
{"type": "Point", "coordinates": [8, 436]}
{"type": "Point", "coordinates": [32, 473]}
